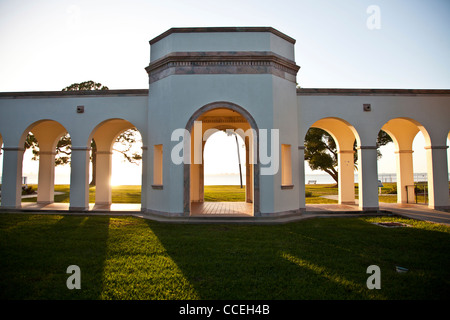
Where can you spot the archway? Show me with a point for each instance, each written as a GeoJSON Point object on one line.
{"type": "Point", "coordinates": [43, 141]}
{"type": "Point", "coordinates": [224, 168]}
{"type": "Point", "coordinates": [407, 135]}
{"type": "Point", "coordinates": [104, 156]}
{"type": "Point", "coordinates": [204, 122]}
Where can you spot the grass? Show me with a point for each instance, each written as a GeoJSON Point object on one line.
{"type": "Point", "coordinates": [119, 194]}
{"type": "Point", "coordinates": [224, 193]}
{"type": "Point", "coordinates": [315, 193]}
{"type": "Point", "coordinates": [132, 194]}
{"type": "Point", "coordinates": [132, 258]}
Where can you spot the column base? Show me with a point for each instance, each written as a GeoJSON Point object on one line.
{"type": "Point", "coordinates": [441, 208]}
{"type": "Point", "coordinates": [79, 209]}
{"type": "Point", "coordinates": [370, 209]}
{"type": "Point", "coordinates": [44, 202]}
{"type": "Point", "coordinates": [10, 207]}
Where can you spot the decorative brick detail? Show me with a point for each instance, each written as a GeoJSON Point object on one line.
{"type": "Point", "coordinates": [210, 119]}
{"type": "Point", "coordinates": [243, 62]}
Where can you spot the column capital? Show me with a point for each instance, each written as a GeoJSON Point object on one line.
{"type": "Point", "coordinates": [13, 149]}
{"type": "Point", "coordinates": [366, 147]}
{"type": "Point", "coordinates": [73, 148]}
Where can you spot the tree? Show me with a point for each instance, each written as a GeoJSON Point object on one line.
{"type": "Point", "coordinates": [321, 151]}
{"type": "Point", "coordinates": [63, 151]}
{"type": "Point", "coordinates": [86, 85]}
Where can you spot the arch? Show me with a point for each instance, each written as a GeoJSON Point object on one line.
{"type": "Point", "coordinates": [253, 143]}
{"type": "Point", "coordinates": [47, 133]}
{"type": "Point", "coordinates": [341, 130]}
{"type": "Point", "coordinates": [48, 129]}
{"type": "Point", "coordinates": [231, 141]}
{"type": "Point", "coordinates": [344, 135]}
{"type": "Point", "coordinates": [403, 130]}
{"type": "Point", "coordinates": [105, 135]}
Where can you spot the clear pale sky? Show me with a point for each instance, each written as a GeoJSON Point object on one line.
{"type": "Point", "coordinates": [47, 45]}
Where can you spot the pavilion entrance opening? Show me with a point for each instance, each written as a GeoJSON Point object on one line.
{"type": "Point", "coordinates": [222, 166]}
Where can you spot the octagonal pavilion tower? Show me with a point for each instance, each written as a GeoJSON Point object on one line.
{"type": "Point", "coordinates": [230, 78]}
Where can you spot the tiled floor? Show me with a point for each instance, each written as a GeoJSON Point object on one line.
{"type": "Point", "coordinates": [197, 208]}
{"type": "Point", "coordinates": [221, 208]}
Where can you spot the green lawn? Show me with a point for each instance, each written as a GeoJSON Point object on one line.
{"type": "Point", "coordinates": [224, 193]}
{"type": "Point", "coordinates": [132, 258]}
{"type": "Point", "coordinates": [314, 193]}
{"type": "Point", "coordinates": [120, 194]}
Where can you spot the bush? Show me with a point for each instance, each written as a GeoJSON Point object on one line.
{"type": "Point", "coordinates": [27, 190]}
{"type": "Point", "coordinates": [308, 194]}
{"type": "Point", "coordinates": [393, 190]}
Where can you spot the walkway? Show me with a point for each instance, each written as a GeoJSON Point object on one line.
{"type": "Point", "coordinates": [241, 212]}
{"type": "Point", "coordinates": [222, 208]}
{"type": "Point", "coordinates": [413, 211]}
{"type": "Point", "coordinates": [418, 211]}
{"type": "Point", "coordinates": [60, 207]}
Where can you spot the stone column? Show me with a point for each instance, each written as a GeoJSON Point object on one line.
{"type": "Point", "coordinates": [144, 179]}
{"type": "Point", "coordinates": [437, 177]}
{"type": "Point", "coordinates": [103, 178]}
{"type": "Point", "coordinates": [405, 176]}
{"type": "Point", "coordinates": [46, 179]}
{"type": "Point", "coordinates": [301, 178]}
{"type": "Point", "coordinates": [346, 177]}
{"type": "Point", "coordinates": [79, 179]}
{"type": "Point", "coordinates": [368, 178]}
{"type": "Point", "coordinates": [12, 177]}
{"type": "Point", "coordinates": [248, 173]}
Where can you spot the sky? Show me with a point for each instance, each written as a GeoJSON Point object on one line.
{"type": "Point", "coordinates": [48, 45]}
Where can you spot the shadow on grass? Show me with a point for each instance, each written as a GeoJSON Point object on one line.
{"type": "Point", "coordinates": [132, 258]}
{"type": "Point", "coordinates": [35, 251]}
{"type": "Point", "coordinates": [317, 259]}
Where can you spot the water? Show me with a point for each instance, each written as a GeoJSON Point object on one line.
{"type": "Point", "coordinates": [233, 179]}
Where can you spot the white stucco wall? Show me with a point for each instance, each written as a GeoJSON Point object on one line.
{"type": "Point", "coordinates": [19, 113]}
{"type": "Point", "coordinates": [221, 41]}
{"type": "Point", "coordinates": [174, 107]}
{"type": "Point", "coordinates": [431, 111]}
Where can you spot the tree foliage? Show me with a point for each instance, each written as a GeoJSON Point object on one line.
{"type": "Point", "coordinates": [86, 85]}
{"type": "Point", "coordinates": [321, 150]}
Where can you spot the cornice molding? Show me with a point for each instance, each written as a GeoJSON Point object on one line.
{"type": "Point", "coordinates": [222, 29]}
{"type": "Point", "coordinates": [241, 62]}
{"type": "Point", "coordinates": [370, 92]}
